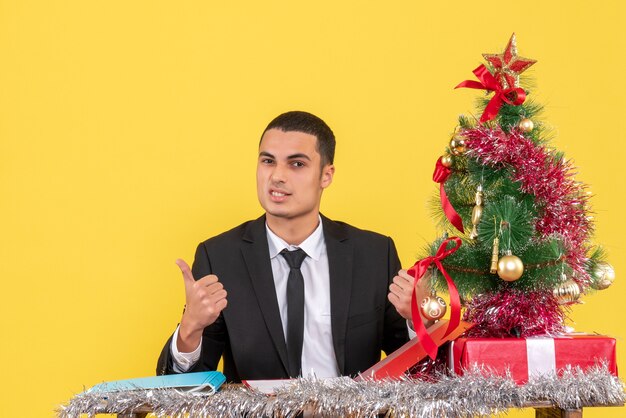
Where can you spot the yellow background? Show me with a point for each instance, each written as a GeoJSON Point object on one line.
{"type": "Point", "coordinates": [129, 129]}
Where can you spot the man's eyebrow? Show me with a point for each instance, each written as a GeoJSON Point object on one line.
{"type": "Point", "coordinates": [300, 155]}
{"type": "Point", "coordinates": [290, 157]}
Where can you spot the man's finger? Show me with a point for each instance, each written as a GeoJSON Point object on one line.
{"type": "Point", "coordinates": [208, 280]}
{"type": "Point", "coordinates": [219, 295]}
{"type": "Point", "coordinates": [184, 268]}
{"type": "Point", "coordinates": [406, 276]}
{"type": "Point", "coordinates": [221, 304]}
{"type": "Point", "coordinates": [214, 288]}
{"type": "Point", "coordinates": [396, 290]}
{"type": "Point", "coordinates": [402, 283]}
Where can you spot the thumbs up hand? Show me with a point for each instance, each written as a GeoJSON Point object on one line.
{"type": "Point", "coordinates": [205, 300]}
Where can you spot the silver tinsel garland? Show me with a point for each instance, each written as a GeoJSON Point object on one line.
{"type": "Point", "coordinates": [474, 394]}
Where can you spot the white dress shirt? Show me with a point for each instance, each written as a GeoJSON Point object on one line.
{"type": "Point", "coordinates": [318, 354]}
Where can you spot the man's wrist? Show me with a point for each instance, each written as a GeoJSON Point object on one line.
{"type": "Point", "coordinates": [188, 337]}
{"type": "Point", "coordinates": [182, 362]}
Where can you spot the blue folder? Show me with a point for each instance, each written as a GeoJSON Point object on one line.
{"type": "Point", "coordinates": [194, 382]}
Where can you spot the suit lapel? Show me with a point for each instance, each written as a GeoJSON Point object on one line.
{"type": "Point", "coordinates": [340, 258]}
{"type": "Point", "coordinates": [256, 256]}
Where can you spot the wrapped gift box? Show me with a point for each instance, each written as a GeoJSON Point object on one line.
{"type": "Point", "coordinates": [525, 357]}
{"type": "Point", "coordinates": [396, 364]}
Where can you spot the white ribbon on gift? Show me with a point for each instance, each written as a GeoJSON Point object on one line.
{"type": "Point", "coordinates": [541, 356]}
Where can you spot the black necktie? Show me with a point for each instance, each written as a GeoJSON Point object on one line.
{"type": "Point", "coordinates": [295, 309]}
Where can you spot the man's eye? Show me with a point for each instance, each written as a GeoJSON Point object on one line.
{"type": "Point", "coordinates": [297, 164]}
{"type": "Point", "coordinates": [267, 161]}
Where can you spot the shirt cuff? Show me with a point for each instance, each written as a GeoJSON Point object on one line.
{"type": "Point", "coordinates": [183, 361]}
{"type": "Point", "coordinates": [409, 326]}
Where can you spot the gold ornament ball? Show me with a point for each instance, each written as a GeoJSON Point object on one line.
{"type": "Point", "coordinates": [510, 268]}
{"type": "Point", "coordinates": [433, 307]}
{"type": "Point", "coordinates": [457, 145]}
{"type": "Point", "coordinates": [526, 125]}
{"type": "Point", "coordinates": [446, 160]}
{"type": "Point", "coordinates": [567, 292]}
{"type": "Point", "coordinates": [604, 276]}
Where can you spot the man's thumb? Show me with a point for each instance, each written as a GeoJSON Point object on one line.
{"type": "Point", "coordinates": [184, 268]}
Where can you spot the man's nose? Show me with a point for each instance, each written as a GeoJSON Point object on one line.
{"type": "Point", "coordinates": [279, 173]}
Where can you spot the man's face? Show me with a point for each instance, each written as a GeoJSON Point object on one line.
{"type": "Point", "coordinates": [289, 176]}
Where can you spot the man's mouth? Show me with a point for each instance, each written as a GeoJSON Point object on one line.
{"type": "Point", "coordinates": [278, 196]}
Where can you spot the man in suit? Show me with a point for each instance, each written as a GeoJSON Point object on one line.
{"type": "Point", "coordinates": [291, 293]}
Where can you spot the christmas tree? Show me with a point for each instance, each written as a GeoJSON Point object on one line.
{"type": "Point", "coordinates": [524, 221]}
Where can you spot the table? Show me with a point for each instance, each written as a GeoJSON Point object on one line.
{"type": "Point", "coordinates": [543, 409]}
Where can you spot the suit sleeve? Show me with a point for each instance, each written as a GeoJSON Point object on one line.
{"type": "Point", "coordinates": [213, 336]}
{"type": "Point", "coordinates": [395, 331]}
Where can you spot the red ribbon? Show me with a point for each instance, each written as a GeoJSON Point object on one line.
{"type": "Point", "coordinates": [440, 176]}
{"type": "Point", "coordinates": [417, 271]}
{"type": "Point", "coordinates": [513, 96]}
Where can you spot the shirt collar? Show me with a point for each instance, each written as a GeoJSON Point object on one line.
{"type": "Point", "coordinates": [312, 245]}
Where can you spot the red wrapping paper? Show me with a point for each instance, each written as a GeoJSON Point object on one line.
{"type": "Point", "coordinates": [397, 363]}
{"type": "Point", "coordinates": [523, 357]}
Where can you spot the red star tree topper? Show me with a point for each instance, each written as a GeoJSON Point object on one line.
{"type": "Point", "coordinates": [508, 65]}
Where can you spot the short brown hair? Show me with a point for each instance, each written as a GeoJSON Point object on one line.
{"type": "Point", "coordinates": [307, 123]}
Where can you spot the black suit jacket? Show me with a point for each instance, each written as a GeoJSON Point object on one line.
{"type": "Point", "coordinates": [249, 332]}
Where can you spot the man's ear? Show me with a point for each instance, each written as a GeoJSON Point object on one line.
{"type": "Point", "coordinates": [328, 171]}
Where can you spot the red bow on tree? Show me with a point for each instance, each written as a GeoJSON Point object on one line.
{"type": "Point", "coordinates": [513, 96]}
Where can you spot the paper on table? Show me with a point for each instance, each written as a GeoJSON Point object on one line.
{"type": "Point", "coordinates": [267, 387]}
